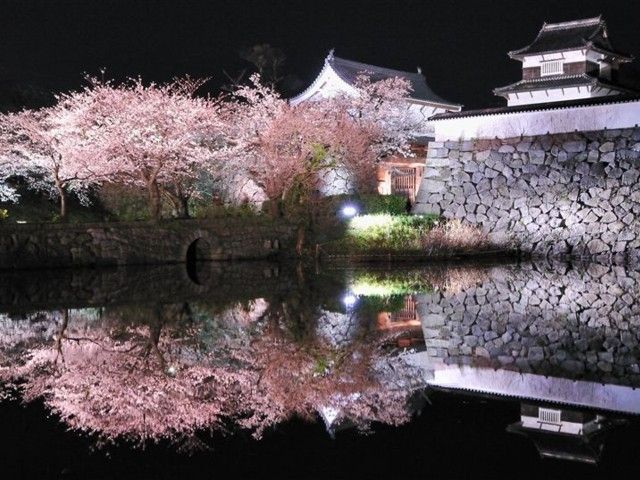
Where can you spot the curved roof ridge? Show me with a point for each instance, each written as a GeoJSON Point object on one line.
{"type": "Point", "coordinates": [570, 35]}
{"type": "Point", "coordinates": [316, 80]}
{"type": "Point", "coordinates": [348, 71]}
{"type": "Point", "coordinates": [581, 22]}
{"type": "Point", "coordinates": [376, 67]}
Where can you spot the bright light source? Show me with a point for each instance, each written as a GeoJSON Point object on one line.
{"type": "Point", "coordinates": [349, 300]}
{"type": "Point", "coordinates": [349, 211]}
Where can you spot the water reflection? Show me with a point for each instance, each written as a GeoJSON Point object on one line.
{"type": "Point", "coordinates": [565, 433]}
{"type": "Point", "coordinates": [146, 354]}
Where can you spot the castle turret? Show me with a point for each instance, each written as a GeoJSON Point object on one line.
{"type": "Point", "coordinates": [567, 61]}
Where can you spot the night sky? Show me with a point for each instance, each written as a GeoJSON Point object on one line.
{"type": "Point", "coordinates": [461, 46]}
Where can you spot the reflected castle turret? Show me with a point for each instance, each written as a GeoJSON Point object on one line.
{"type": "Point", "coordinates": [563, 433]}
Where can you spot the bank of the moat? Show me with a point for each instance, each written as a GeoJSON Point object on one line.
{"type": "Point", "coordinates": [137, 243]}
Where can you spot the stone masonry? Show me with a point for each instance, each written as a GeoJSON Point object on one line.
{"type": "Point", "coordinates": [579, 322]}
{"type": "Point", "coordinates": [561, 195]}
{"type": "Point", "coordinates": [138, 243]}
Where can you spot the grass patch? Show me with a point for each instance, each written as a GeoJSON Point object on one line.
{"type": "Point", "coordinates": [386, 291]}
{"type": "Point", "coordinates": [386, 284]}
{"type": "Point", "coordinates": [407, 234]}
{"type": "Point", "coordinates": [386, 232]}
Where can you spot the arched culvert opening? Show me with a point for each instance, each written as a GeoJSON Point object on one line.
{"type": "Point", "coordinates": [198, 252]}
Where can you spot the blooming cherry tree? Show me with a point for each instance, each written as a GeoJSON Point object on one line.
{"type": "Point", "coordinates": [121, 379]}
{"type": "Point", "coordinates": [51, 148]}
{"type": "Point", "coordinates": [283, 146]}
{"type": "Point", "coordinates": [157, 137]}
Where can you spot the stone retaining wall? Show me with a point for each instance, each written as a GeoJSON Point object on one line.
{"type": "Point", "coordinates": [562, 195]}
{"type": "Point", "coordinates": [135, 243]}
{"type": "Point", "coordinates": [575, 322]}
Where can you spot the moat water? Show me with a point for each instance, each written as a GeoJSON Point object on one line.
{"type": "Point", "coordinates": [259, 369]}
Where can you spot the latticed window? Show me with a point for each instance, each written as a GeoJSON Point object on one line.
{"type": "Point", "coordinates": [551, 68]}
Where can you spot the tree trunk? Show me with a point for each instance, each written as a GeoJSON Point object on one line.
{"type": "Point", "coordinates": [63, 202]}
{"type": "Point", "coordinates": [180, 204]}
{"type": "Point", "coordinates": [61, 333]}
{"type": "Point", "coordinates": [183, 211]}
{"type": "Point", "coordinates": [300, 240]}
{"type": "Point", "coordinates": [180, 201]}
{"type": "Point", "coordinates": [154, 200]}
{"type": "Point", "coordinates": [274, 208]}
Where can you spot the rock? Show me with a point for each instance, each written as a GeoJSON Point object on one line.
{"type": "Point", "coordinates": [597, 246]}
{"type": "Point", "coordinates": [490, 335]}
{"type": "Point", "coordinates": [482, 352]}
{"type": "Point", "coordinates": [574, 366]}
{"type": "Point", "coordinates": [433, 320]}
{"type": "Point", "coordinates": [606, 147]}
{"type": "Point", "coordinates": [574, 146]}
{"type": "Point", "coordinates": [630, 177]}
{"type": "Point", "coordinates": [536, 354]}
{"type": "Point", "coordinates": [537, 157]}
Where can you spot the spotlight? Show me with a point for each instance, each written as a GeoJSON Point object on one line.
{"type": "Point", "coordinates": [349, 211]}
{"type": "Point", "coordinates": [349, 300]}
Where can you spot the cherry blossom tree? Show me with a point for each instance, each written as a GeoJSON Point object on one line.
{"type": "Point", "coordinates": [122, 380]}
{"type": "Point", "coordinates": [8, 192]}
{"type": "Point", "coordinates": [284, 146]}
{"type": "Point", "coordinates": [157, 137]}
{"type": "Point", "coordinates": [51, 147]}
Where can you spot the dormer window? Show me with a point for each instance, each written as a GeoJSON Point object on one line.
{"type": "Point", "coordinates": [551, 68]}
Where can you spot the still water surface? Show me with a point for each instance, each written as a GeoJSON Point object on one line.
{"type": "Point", "coordinates": [256, 368]}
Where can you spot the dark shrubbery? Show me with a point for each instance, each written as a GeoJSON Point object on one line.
{"type": "Point", "coordinates": [124, 204]}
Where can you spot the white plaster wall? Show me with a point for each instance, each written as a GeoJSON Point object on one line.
{"type": "Point", "coordinates": [327, 85]}
{"type": "Point", "coordinates": [561, 120]}
{"type": "Point", "coordinates": [565, 57]}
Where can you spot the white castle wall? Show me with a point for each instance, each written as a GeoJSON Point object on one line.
{"type": "Point", "coordinates": [540, 122]}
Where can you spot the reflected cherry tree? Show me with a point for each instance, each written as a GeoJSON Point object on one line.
{"type": "Point", "coordinates": [170, 371]}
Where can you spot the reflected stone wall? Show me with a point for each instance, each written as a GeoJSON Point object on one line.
{"type": "Point", "coordinates": [554, 320]}
{"type": "Point", "coordinates": [556, 195]}
{"type": "Point", "coordinates": [81, 288]}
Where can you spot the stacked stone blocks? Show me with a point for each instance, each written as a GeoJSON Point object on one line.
{"type": "Point", "coordinates": [562, 195]}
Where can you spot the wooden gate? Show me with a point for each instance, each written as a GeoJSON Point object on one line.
{"type": "Point", "coordinates": [406, 181]}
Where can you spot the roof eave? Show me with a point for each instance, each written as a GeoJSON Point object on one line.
{"type": "Point", "coordinates": [501, 91]}
{"type": "Point", "coordinates": [520, 54]}
{"type": "Point", "coordinates": [439, 103]}
{"type": "Point", "coordinates": [608, 100]}
{"type": "Point", "coordinates": [623, 57]}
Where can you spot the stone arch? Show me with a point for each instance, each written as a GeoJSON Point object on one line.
{"type": "Point", "coordinates": [198, 251]}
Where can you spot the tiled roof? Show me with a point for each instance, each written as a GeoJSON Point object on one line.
{"type": "Point", "coordinates": [587, 102]}
{"type": "Point", "coordinates": [553, 81]}
{"type": "Point", "coordinates": [554, 37]}
{"type": "Point", "coordinates": [348, 70]}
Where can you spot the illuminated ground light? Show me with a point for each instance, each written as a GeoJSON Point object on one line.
{"type": "Point", "coordinates": [349, 211]}
{"type": "Point", "coordinates": [349, 300]}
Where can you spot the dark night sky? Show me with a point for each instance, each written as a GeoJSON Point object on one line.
{"type": "Point", "coordinates": [461, 46]}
